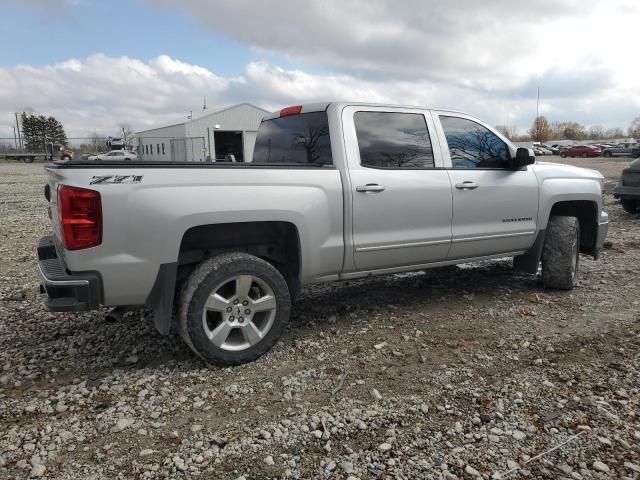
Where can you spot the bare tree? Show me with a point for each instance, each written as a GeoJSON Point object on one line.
{"type": "Point", "coordinates": [615, 132]}
{"type": "Point", "coordinates": [596, 132]}
{"type": "Point", "coordinates": [479, 148]}
{"type": "Point", "coordinates": [508, 131]}
{"type": "Point", "coordinates": [310, 143]}
{"type": "Point", "coordinates": [557, 130]}
{"type": "Point", "coordinates": [127, 131]}
{"type": "Point", "coordinates": [96, 141]}
{"type": "Point", "coordinates": [634, 128]}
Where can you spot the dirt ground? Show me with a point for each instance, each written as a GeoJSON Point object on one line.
{"type": "Point", "coordinates": [461, 372]}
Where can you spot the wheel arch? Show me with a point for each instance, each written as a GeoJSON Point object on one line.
{"type": "Point", "coordinates": [277, 242]}
{"type": "Point", "coordinates": [587, 213]}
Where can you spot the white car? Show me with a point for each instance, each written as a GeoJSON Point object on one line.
{"type": "Point", "coordinates": [126, 155]}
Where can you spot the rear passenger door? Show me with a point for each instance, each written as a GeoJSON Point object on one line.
{"type": "Point", "coordinates": [495, 209]}
{"type": "Point", "coordinates": [401, 199]}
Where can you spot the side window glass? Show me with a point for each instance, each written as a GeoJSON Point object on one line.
{"type": "Point", "coordinates": [473, 146]}
{"type": "Point", "coordinates": [393, 140]}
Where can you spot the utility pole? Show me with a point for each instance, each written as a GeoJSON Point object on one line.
{"type": "Point", "coordinates": [18, 127]}
{"type": "Point", "coordinates": [15, 138]}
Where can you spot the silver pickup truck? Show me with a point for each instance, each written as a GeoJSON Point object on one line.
{"type": "Point", "coordinates": [334, 191]}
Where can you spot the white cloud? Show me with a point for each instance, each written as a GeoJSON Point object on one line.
{"type": "Point", "coordinates": [100, 92]}
{"type": "Point", "coordinates": [492, 43]}
{"type": "Point", "coordinates": [484, 57]}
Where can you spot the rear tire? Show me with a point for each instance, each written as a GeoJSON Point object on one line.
{"type": "Point", "coordinates": [561, 253]}
{"type": "Point", "coordinates": [233, 308]}
{"type": "Point", "coordinates": [629, 206]}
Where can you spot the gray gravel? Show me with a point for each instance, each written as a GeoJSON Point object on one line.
{"type": "Point", "coordinates": [469, 372]}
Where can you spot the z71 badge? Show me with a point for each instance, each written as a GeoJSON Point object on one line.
{"type": "Point", "coordinates": [116, 179]}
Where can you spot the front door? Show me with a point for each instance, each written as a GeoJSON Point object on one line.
{"type": "Point", "coordinates": [401, 200]}
{"type": "Point", "coordinates": [495, 209]}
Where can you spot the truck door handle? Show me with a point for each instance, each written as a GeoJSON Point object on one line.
{"type": "Point", "coordinates": [467, 185]}
{"type": "Point", "coordinates": [370, 187]}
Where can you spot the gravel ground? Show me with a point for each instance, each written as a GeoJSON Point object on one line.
{"type": "Point", "coordinates": [461, 372]}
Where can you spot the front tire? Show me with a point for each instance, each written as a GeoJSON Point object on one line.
{"type": "Point", "coordinates": [233, 308]}
{"type": "Point", "coordinates": [563, 155]}
{"type": "Point", "coordinates": [629, 206]}
{"type": "Point", "coordinates": [607, 154]}
{"type": "Point", "coordinates": [561, 253]}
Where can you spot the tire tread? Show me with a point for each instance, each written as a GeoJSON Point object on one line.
{"type": "Point", "coordinates": [556, 253]}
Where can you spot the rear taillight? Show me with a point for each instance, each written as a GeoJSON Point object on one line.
{"type": "Point", "coordinates": [80, 212]}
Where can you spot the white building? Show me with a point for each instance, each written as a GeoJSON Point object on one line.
{"type": "Point", "coordinates": [226, 134]}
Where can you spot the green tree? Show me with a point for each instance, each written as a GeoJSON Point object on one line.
{"type": "Point", "coordinates": [540, 130]}
{"type": "Point", "coordinates": [39, 132]}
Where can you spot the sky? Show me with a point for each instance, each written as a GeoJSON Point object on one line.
{"type": "Point", "coordinates": [96, 65]}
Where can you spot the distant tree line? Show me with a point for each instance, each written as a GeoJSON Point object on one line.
{"type": "Point", "coordinates": [38, 131]}
{"type": "Point", "coordinates": [543, 131]}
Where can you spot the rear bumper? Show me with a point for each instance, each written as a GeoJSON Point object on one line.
{"type": "Point", "coordinates": [66, 292]}
{"type": "Point", "coordinates": [623, 191]}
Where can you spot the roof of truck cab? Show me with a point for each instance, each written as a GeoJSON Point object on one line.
{"type": "Point", "coordinates": [320, 106]}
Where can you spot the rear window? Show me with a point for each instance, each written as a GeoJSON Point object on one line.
{"type": "Point", "coordinates": [295, 139]}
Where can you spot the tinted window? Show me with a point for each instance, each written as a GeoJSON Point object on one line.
{"type": "Point", "coordinates": [294, 139]}
{"type": "Point", "coordinates": [393, 140]}
{"type": "Point", "coordinates": [473, 146]}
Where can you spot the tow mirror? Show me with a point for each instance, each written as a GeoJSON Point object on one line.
{"type": "Point", "coordinates": [524, 157]}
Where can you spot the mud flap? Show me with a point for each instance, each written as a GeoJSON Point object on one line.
{"type": "Point", "coordinates": [160, 299]}
{"type": "Point", "coordinates": [529, 262]}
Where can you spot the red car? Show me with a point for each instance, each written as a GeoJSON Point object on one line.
{"type": "Point", "coordinates": [581, 151]}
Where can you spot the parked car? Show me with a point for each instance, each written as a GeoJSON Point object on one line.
{"type": "Point", "coordinates": [623, 149]}
{"type": "Point", "coordinates": [115, 155]}
{"type": "Point", "coordinates": [545, 150]}
{"type": "Point", "coordinates": [552, 149]}
{"type": "Point", "coordinates": [628, 187]}
{"type": "Point", "coordinates": [581, 151]}
{"type": "Point", "coordinates": [537, 151]}
{"type": "Point", "coordinates": [603, 146]}
{"type": "Point", "coordinates": [230, 245]}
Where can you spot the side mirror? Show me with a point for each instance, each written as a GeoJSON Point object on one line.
{"type": "Point", "coordinates": [524, 157]}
